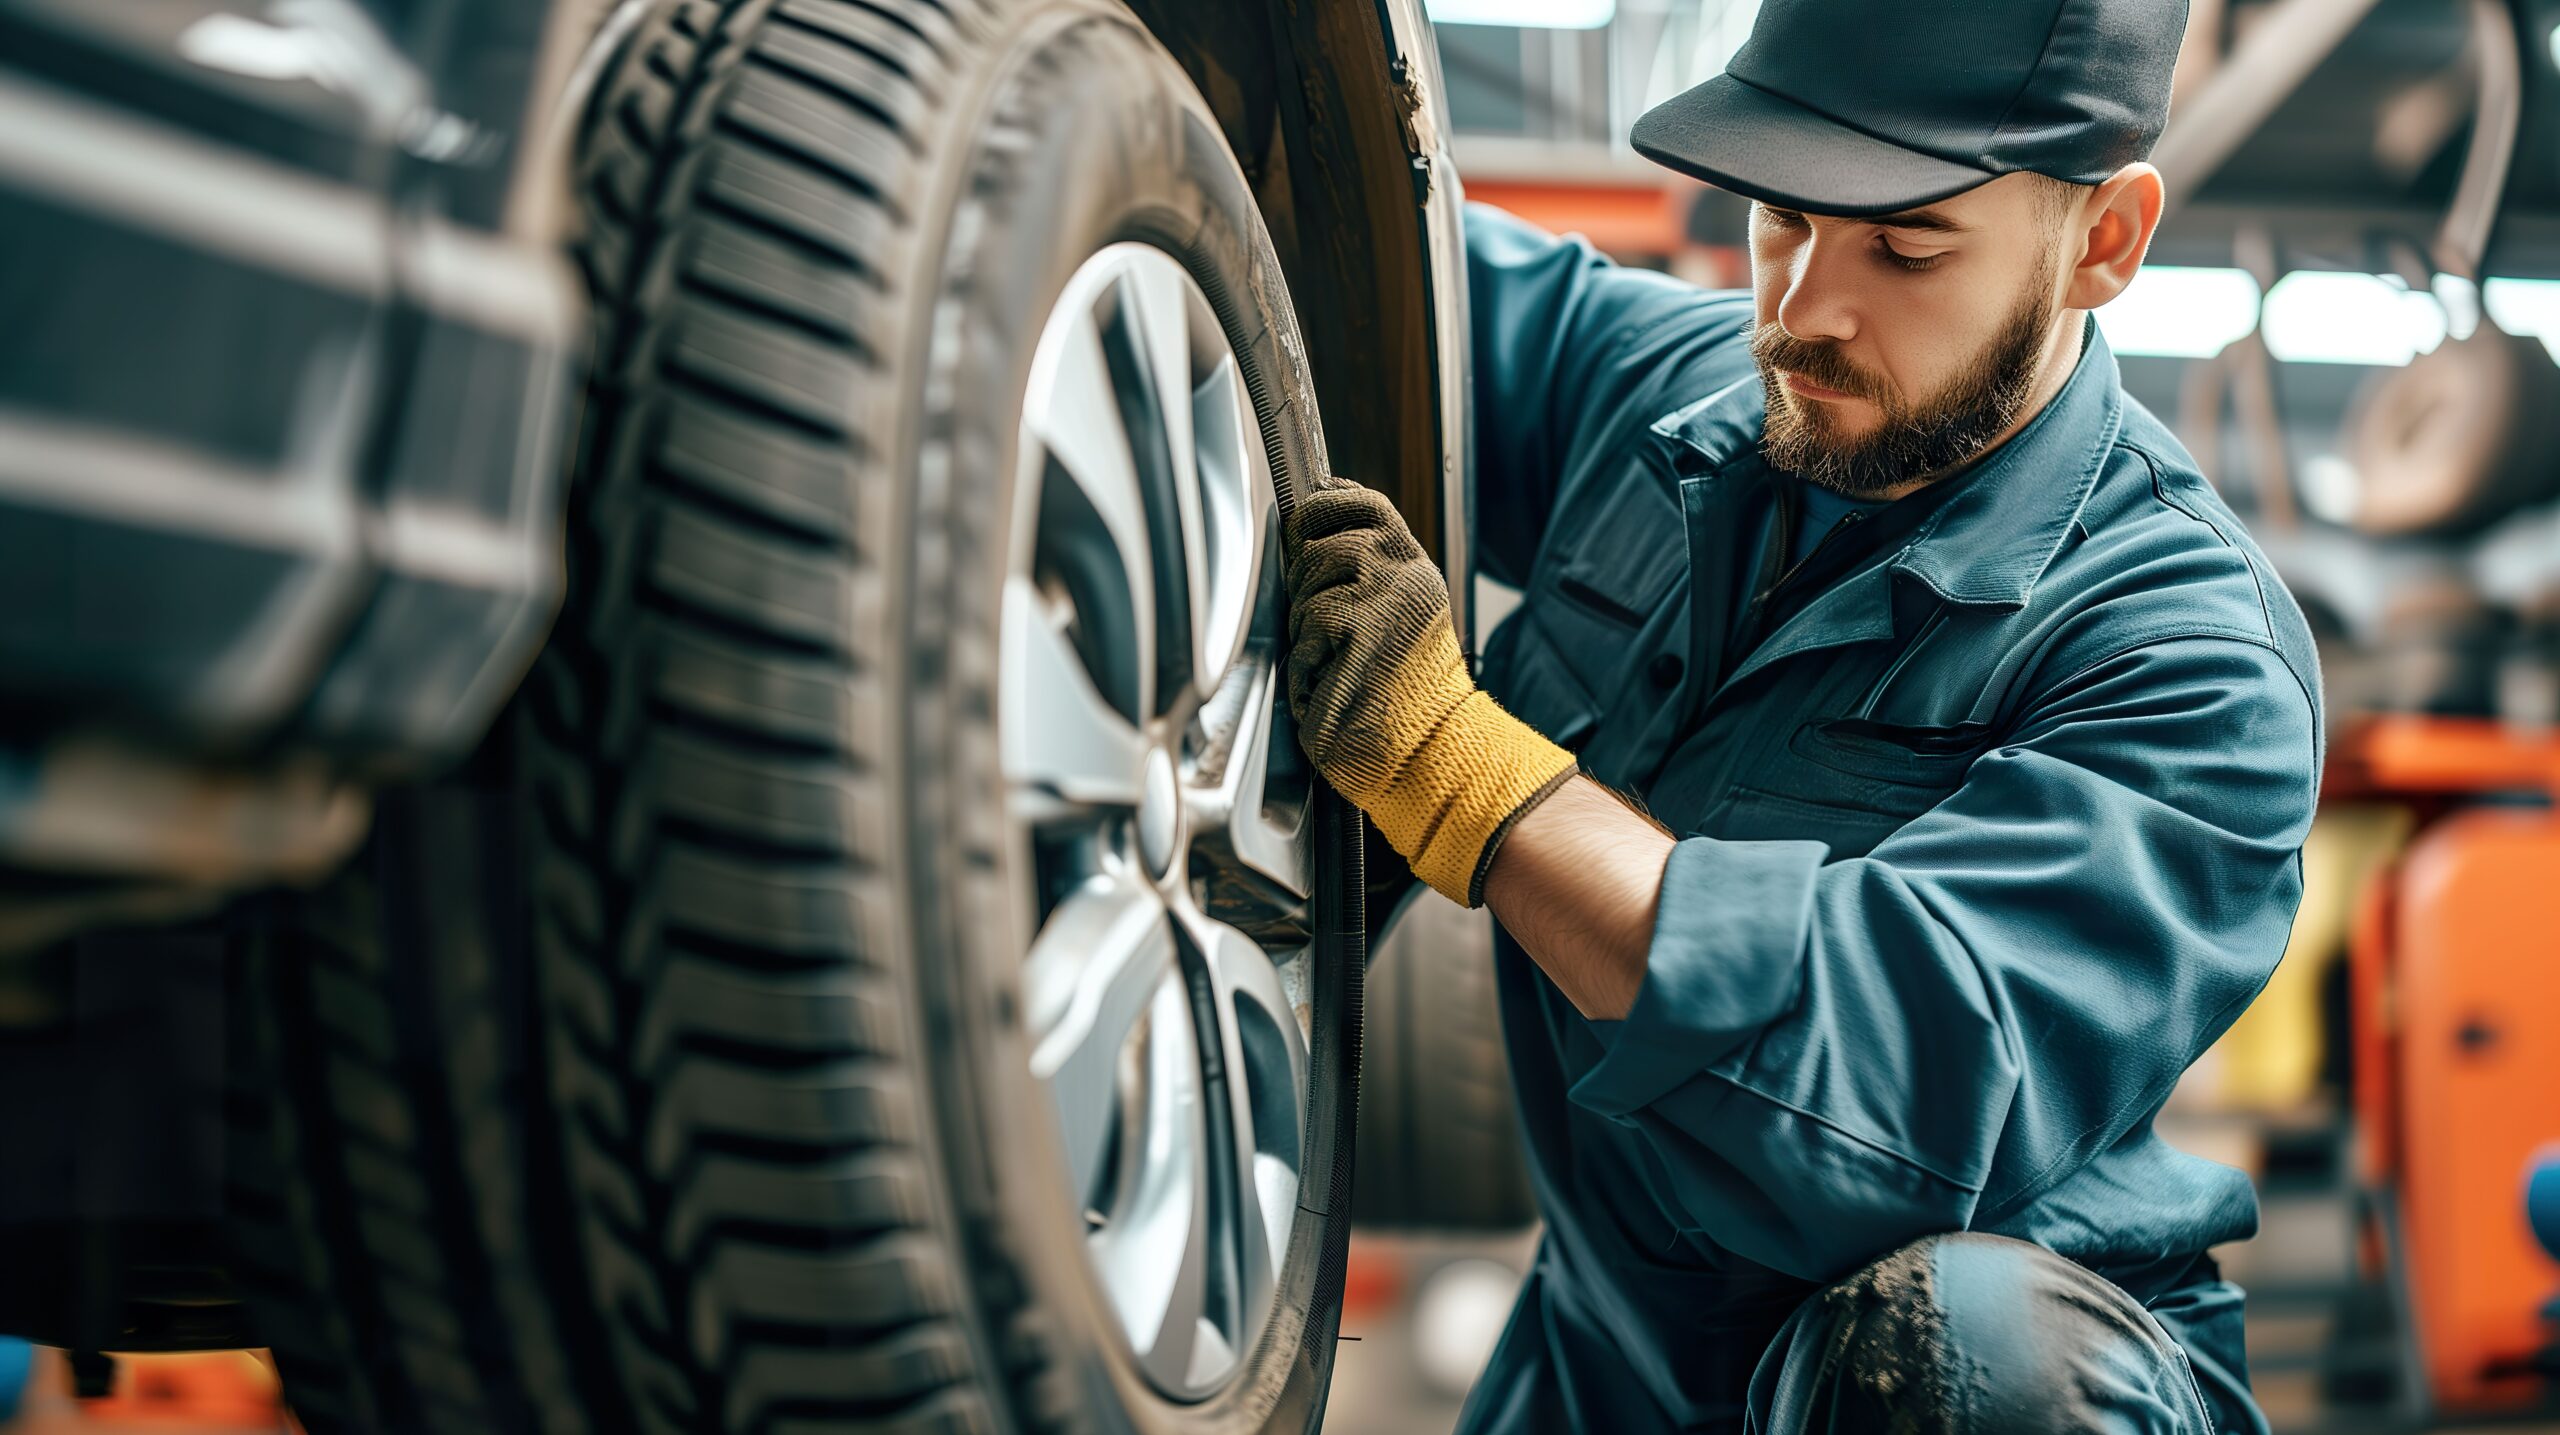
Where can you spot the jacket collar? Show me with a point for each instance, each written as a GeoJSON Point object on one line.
{"type": "Point", "coordinates": [1991, 540]}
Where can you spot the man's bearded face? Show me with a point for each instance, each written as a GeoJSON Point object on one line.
{"type": "Point", "coordinates": [1909, 438]}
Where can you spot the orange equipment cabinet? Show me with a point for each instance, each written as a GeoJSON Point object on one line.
{"type": "Point", "coordinates": [2455, 985]}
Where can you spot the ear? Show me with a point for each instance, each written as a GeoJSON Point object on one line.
{"type": "Point", "coordinates": [2113, 224]}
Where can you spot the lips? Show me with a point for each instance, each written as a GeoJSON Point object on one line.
{"type": "Point", "coordinates": [1807, 387]}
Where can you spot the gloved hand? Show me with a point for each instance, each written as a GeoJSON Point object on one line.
{"type": "Point", "coordinates": [1386, 709]}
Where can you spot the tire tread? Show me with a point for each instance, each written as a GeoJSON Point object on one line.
{"type": "Point", "coordinates": [725, 1022]}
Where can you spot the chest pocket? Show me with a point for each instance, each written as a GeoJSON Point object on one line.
{"type": "Point", "coordinates": [1850, 782]}
{"type": "Point", "coordinates": [1610, 574]}
{"type": "Point", "coordinates": [1524, 673]}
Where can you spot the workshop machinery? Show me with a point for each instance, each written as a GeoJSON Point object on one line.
{"type": "Point", "coordinates": [2455, 993]}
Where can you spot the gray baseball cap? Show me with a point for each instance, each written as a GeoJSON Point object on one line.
{"type": "Point", "coordinates": [1865, 107]}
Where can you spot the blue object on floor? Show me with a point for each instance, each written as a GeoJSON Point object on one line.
{"type": "Point", "coordinates": [2542, 1197]}
{"type": "Point", "coordinates": [17, 1364]}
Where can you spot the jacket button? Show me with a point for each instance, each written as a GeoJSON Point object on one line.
{"type": "Point", "coordinates": [1664, 670]}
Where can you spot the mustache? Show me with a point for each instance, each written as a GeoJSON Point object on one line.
{"type": "Point", "coordinates": [1823, 363]}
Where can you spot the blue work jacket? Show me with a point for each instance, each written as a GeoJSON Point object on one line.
{"type": "Point", "coordinates": [1981, 844]}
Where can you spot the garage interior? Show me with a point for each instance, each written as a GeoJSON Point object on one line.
{"type": "Point", "coordinates": [424, 938]}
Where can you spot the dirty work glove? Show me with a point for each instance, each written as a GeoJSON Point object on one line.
{"type": "Point", "coordinates": [1386, 709]}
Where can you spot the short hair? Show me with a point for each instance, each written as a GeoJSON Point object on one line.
{"type": "Point", "coordinates": [2061, 196]}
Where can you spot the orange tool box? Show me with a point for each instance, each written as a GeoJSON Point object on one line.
{"type": "Point", "coordinates": [2454, 987]}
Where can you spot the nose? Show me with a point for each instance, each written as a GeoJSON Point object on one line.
{"type": "Point", "coordinates": [1816, 303]}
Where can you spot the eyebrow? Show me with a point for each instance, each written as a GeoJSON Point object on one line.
{"type": "Point", "coordinates": [1928, 219]}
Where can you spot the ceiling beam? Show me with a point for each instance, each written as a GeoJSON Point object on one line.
{"type": "Point", "coordinates": [2288, 40]}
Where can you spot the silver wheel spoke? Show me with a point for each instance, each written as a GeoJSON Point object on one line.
{"type": "Point", "coordinates": [1154, 1256]}
{"type": "Point", "coordinates": [1266, 1064]}
{"type": "Point", "coordinates": [1247, 722]}
{"type": "Point", "coordinates": [1064, 743]}
{"type": "Point", "coordinates": [1099, 963]}
{"type": "Point", "coordinates": [1237, 506]}
{"type": "Point", "coordinates": [1071, 413]}
{"type": "Point", "coordinates": [1162, 327]}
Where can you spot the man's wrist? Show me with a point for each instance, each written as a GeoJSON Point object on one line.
{"type": "Point", "coordinates": [1502, 829]}
{"type": "Point", "coordinates": [1578, 881]}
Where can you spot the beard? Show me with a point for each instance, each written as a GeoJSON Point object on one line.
{"type": "Point", "coordinates": [1804, 438]}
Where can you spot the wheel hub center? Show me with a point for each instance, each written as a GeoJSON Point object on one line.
{"type": "Point", "coordinates": [1160, 814]}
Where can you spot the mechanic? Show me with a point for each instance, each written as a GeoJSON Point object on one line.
{"type": "Point", "coordinates": [1981, 739]}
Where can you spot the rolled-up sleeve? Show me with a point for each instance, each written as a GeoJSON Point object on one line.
{"type": "Point", "coordinates": [1834, 1058]}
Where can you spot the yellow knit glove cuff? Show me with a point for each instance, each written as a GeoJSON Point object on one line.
{"type": "Point", "coordinates": [1445, 783]}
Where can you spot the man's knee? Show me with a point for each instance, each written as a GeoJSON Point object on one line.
{"type": "Point", "coordinates": [1976, 1333]}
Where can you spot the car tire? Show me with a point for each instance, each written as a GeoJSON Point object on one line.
{"type": "Point", "coordinates": [1440, 1140]}
{"type": "Point", "coordinates": [391, 1221]}
{"type": "Point", "coordinates": [672, 1068]}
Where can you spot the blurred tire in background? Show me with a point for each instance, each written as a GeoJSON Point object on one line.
{"type": "Point", "coordinates": [1439, 1128]}
{"type": "Point", "coordinates": [2461, 436]}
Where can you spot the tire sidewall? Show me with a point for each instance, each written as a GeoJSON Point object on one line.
{"type": "Point", "coordinates": [1088, 134]}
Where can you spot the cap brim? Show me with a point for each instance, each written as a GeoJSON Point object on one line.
{"type": "Point", "coordinates": [1773, 150]}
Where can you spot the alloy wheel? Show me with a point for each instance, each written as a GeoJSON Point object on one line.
{"type": "Point", "coordinates": [1158, 799]}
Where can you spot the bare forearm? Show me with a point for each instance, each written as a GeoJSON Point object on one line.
{"type": "Point", "coordinates": [1577, 881]}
